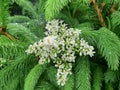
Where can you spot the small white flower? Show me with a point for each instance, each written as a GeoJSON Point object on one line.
{"type": "Point", "coordinates": [60, 46]}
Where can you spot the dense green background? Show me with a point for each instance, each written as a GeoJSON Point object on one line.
{"type": "Point", "coordinates": [99, 21]}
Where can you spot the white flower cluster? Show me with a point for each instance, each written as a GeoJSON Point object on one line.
{"type": "Point", "coordinates": [60, 47]}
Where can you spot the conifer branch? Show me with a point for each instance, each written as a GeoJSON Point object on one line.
{"type": "Point", "coordinates": [99, 13]}
{"type": "Point", "coordinates": [3, 32]}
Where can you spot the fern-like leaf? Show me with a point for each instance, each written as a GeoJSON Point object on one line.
{"type": "Point", "coordinates": [28, 6]}
{"type": "Point", "coordinates": [21, 32]}
{"type": "Point", "coordinates": [110, 76]}
{"type": "Point", "coordinates": [97, 79]}
{"type": "Point", "coordinates": [12, 85]}
{"type": "Point", "coordinates": [70, 83]}
{"type": "Point", "coordinates": [89, 35]}
{"type": "Point", "coordinates": [10, 49]}
{"type": "Point", "coordinates": [86, 2]}
{"type": "Point", "coordinates": [51, 74]}
{"type": "Point", "coordinates": [109, 86]}
{"type": "Point", "coordinates": [41, 4]}
{"type": "Point", "coordinates": [44, 85]}
{"type": "Point", "coordinates": [53, 7]}
{"type": "Point", "coordinates": [16, 69]}
{"type": "Point", "coordinates": [115, 19]}
{"type": "Point", "coordinates": [82, 74]}
{"type": "Point", "coordinates": [18, 19]}
{"type": "Point", "coordinates": [33, 77]}
{"type": "Point", "coordinates": [4, 12]}
{"type": "Point", "coordinates": [109, 47]}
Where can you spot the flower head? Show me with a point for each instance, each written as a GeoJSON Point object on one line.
{"type": "Point", "coordinates": [60, 47]}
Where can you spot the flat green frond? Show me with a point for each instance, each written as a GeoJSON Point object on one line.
{"type": "Point", "coordinates": [109, 47]}
{"type": "Point", "coordinates": [97, 78]}
{"type": "Point", "coordinates": [53, 7]}
{"type": "Point", "coordinates": [89, 35]}
{"type": "Point", "coordinates": [33, 77]}
{"type": "Point", "coordinates": [44, 85]}
{"type": "Point", "coordinates": [82, 74]}
{"type": "Point", "coordinates": [83, 2]}
{"type": "Point", "coordinates": [4, 12]}
{"type": "Point", "coordinates": [70, 83]}
{"type": "Point", "coordinates": [18, 19]}
{"type": "Point", "coordinates": [21, 32]}
{"type": "Point", "coordinates": [12, 85]}
{"type": "Point", "coordinates": [119, 86]}
{"type": "Point", "coordinates": [41, 4]}
{"type": "Point", "coordinates": [115, 19]}
{"type": "Point", "coordinates": [88, 25]}
{"type": "Point", "coordinates": [110, 76]}
{"type": "Point", "coordinates": [51, 74]}
{"type": "Point", "coordinates": [109, 86]}
{"type": "Point", "coordinates": [10, 49]}
{"type": "Point", "coordinates": [16, 69]}
{"type": "Point", "coordinates": [28, 6]}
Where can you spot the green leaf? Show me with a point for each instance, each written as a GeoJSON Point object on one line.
{"type": "Point", "coordinates": [28, 6]}
{"type": "Point", "coordinates": [115, 19]}
{"type": "Point", "coordinates": [4, 12]}
{"type": "Point", "coordinates": [33, 77]}
{"type": "Point", "coordinates": [16, 69]}
{"type": "Point", "coordinates": [97, 78]}
{"type": "Point", "coordinates": [109, 47]}
{"type": "Point", "coordinates": [10, 49]}
{"type": "Point", "coordinates": [70, 83]}
{"type": "Point", "coordinates": [109, 86]}
{"type": "Point", "coordinates": [110, 76]}
{"type": "Point", "coordinates": [82, 74]}
{"type": "Point", "coordinates": [53, 7]}
{"type": "Point", "coordinates": [83, 2]}
{"type": "Point", "coordinates": [89, 35]}
{"type": "Point", "coordinates": [51, 74]}
{"type": "Point", "coordinates": [12, 85]}
{"type": "Point", "coordinates": [44, 85]}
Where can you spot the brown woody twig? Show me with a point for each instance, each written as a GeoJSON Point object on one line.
{"type": "Point", "coordinates": [3, 32]}
{"type": "Point", "coordinates": [99, 13]}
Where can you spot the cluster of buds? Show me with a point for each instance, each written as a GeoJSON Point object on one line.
{"type": "Point", "coordinates": [60, 47]}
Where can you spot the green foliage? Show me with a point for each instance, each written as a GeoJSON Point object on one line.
{"type": "Point", "coordinates": [109, 47]}
{"type": "Point", "coordinates": [44, 85]}
{"type": "Point", "coordinates": [33, 77]}
{"type": "Point", "coordinates": [115, 19]}
{"type": "Point", "coordinates": [16, 69]}
{"type": "Point", "coordinates": [10, 49]}
{"type": "Point", "coordinates": [110, 76]}
{"type": "Point", "coordinates": [12, 85]}
{"type": "Point", "coordinates": [109, 86]}
{"type": "Point", "coordinates": [21, 72]}
{"type": "Point", "coordinates": [41, 5]}
{"type": "Point", "coordinates": [70, 83]}
{"type": "Point", "coordinates": [86, 2]}
{"type": "Point", "coordinates": [89, 35]}
{"type": "Point", "coordinates": [53, 7]}
{"type": "Point", "coordinates": [18, 19]}
{"type": "Point", "coordinates": [51, 74]}
{"type": "Point", "coordinates": [28, 6]}
{"type": "Point", "coordinates": [97, 79]}
{"type": "Point", "coordinates": [82, 74]}
{"type": "Point", "coordinates": [21, 32]}
{"type": "Point", "coordinates": [4, 13]}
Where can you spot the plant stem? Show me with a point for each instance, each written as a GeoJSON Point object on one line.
{"type": "Point", "coordinates": [3, 32]}
{"type": "Point", "coordinates": [99, 13]}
